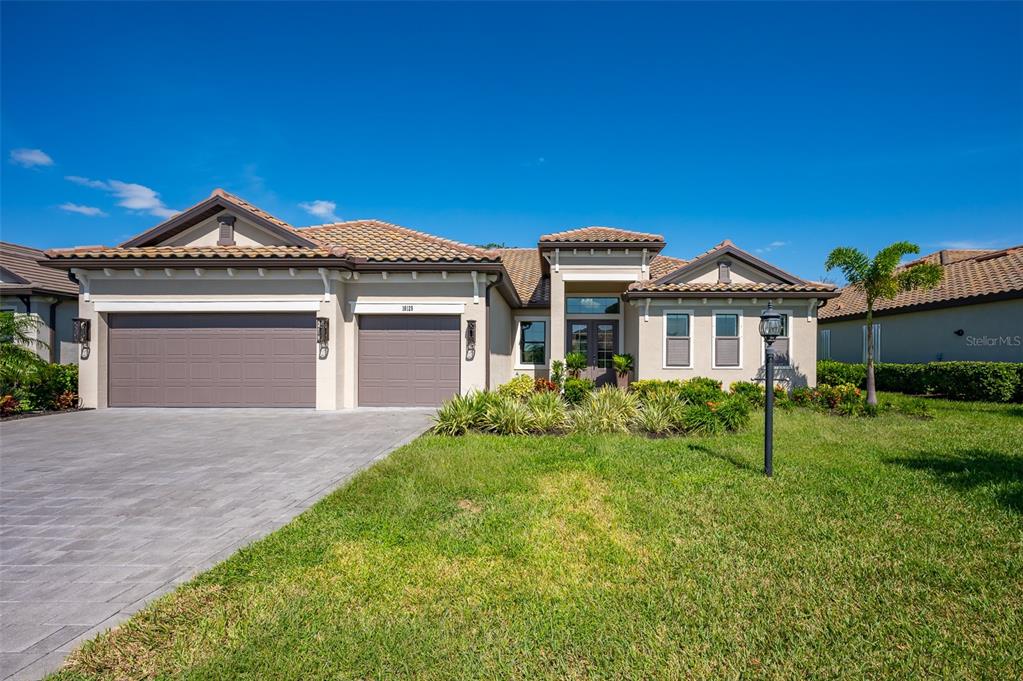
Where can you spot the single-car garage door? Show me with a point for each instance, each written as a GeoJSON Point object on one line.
{"type": "Point", "coordinates": [407, 361]}
{"type": "Point", "coordinates": [212, 360]}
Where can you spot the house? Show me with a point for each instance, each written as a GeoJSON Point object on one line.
{"type": "Point", "coordinates": [47, 294]}
{"type": "Point", "coordinates": [976, 313]}
{"type": "Point", "coordinates": [226, 305]}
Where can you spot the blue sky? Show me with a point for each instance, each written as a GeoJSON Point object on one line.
{"type": "Point", "coordinates": [789, 128]}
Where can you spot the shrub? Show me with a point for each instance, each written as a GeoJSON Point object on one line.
{"type": "Point", "coordinates": [65, 401]}
{"type": "Point", "coordinates": [519, 387]}
{"type": "Point", "coordinates": [652, 387]}
{"type": "Point", "coordinates": [458, 415]}
{"type": "Point", "coordinates": [542, 385]}
{"type": "Point", "coordinates": [733, 412]}
{"type": "Point", "coordinates": [982, 381]}
{"type": "Point", "coordinates": [844, 399]}
{"type": "Point", "coordinates": [558, 373]}
{"type": "Point", "coordinates": [9, 405]}
{"type": "Point", "coordinates": [575, 362]}
{"type": "Point", "coordinates": [576, 389]}
{"type": "Point", "coordinates": [656, 416]}
{"type": "Point", "coordinates": [53, 381]}
{"type": "Point", "coordinates": [701, 390]}
{"type": "Point", "coordinates": [607, 410]}
{"type": "Point", "coordinates": [837, 373]}
{"type": "Point", "coordinates": [754, 392]}
{"type": "Point", "coordinates": [507, 416]}
{"type": "Point", "coordinates": [699, 419]}
{"type": "Point", "coordinates": [548, 411]}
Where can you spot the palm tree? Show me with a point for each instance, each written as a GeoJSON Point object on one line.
{"type": "Point", "coordinates": [18, 360]}
{"type": "Point", "coordinates": [882, 279]}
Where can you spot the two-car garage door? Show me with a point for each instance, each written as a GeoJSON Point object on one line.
{"type": "Point", "coordinates": [212, 360]}
{"type": "Point", "coordinates": [269, 360]}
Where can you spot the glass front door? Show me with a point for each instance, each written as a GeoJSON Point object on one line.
{"type": "Point", "coordinates": [597, 339]}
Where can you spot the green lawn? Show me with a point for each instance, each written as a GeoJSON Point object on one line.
{"type": "Point", "coordinates": [888, 547]}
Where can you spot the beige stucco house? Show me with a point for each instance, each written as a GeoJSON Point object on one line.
{"type": "Point", "coordinates": [975, 314]}
{"type": "Point", "coordinates": [226, 305]}
{"type": "Point", "coordinates": [45, 294]}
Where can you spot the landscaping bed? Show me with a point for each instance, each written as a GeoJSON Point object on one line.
{"type": "Point", "coordinates": [883, 548]}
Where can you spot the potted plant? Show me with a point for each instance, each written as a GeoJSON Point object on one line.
{"type": "Point", "coordinates": [623, 367]}
{"type": "Point", "coordinates": [575, 362]}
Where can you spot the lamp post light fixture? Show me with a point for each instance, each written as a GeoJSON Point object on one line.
{"type": "Point", "coordinates": [770, 329]}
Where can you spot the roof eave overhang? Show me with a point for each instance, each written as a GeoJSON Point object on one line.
{"type": "Point", "coordinates": [820, 295]}
{"type": "Point", "coordinates": [193, 261]}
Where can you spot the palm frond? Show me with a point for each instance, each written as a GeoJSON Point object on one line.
{"type": "Point", "coordinates": [853, 262]}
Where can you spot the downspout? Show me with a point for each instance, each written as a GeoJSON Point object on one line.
{"type": "Point", "coordinates": [486, 300]}
{"type": "Point", "coordinates": [53, 331]}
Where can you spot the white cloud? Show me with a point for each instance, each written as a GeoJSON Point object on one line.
{"type": "Point", "coordinates": [772, 246]}
{"type": "Point", "coordinates": [129, 195]}
{"type": "Point", "coordinates": [321, 209]}
{"type": "Point", "coordinates": [83, 210]}
{"type": "Point", "coordinates": [30, 158]}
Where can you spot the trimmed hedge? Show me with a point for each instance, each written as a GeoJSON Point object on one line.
{"type": "Point", "coordinates": [980, 381]}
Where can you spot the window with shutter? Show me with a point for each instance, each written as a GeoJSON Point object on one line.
{"type": "Point", "coordinates": [727, 340]}
{"type": "Point", "coordinates": [677, 340]}
{"type": "Point", "coordinates": [781, 344]}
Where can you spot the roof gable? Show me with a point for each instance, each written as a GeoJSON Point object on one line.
{"type": "Point", "coordinates": [218, 202]}
{"type": "Point", "coordinates": [726, 249]}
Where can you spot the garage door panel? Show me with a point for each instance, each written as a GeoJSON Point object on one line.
{"type": "Point", "coordinates": [210, 360]}
{"type": "Point", "coordinates": [408, 360]}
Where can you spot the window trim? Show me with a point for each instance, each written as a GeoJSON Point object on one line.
{"type": "Point", "coordinates": [664, 338]}
{"type": "Point", "coordinates": [763, 346]}
{"type": "Point", "coordinates": [546, 342]}
{"type": "Point", "coordinates": [714, 337]}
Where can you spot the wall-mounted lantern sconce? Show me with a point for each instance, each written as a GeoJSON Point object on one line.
{"type": "Point", "coordinates": [470, 339]}
{"type": "Point", "coordinates": [81, 332]}
{"type": "Point", "coordinates": [323, 335]}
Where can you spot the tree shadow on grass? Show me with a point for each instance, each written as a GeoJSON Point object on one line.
{"type": "Point", "coordinates": [973, 468]}
{"type": "Point", "coordinates": [729, 457]}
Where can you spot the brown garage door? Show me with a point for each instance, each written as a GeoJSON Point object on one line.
{"type": "Point", "coordinates": [212, 360]}
{"type": "Point", "coordinates": [407, 361]}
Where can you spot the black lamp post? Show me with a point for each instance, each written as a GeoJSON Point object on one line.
{"type": "Point", "coordinates": [770, 328]}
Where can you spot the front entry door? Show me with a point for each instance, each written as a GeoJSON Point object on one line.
{"type": "Point", "coordinates": [598, 340]}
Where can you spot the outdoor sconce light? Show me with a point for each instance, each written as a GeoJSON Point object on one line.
{"type": "Point", "coordinates": [770, 329]}
{"type": "Point", "coordinates": [470, 339]}
{"type": "Point", "coordinates": [81, 334]}
{"type": "Point", "coordinates": [323, 336]}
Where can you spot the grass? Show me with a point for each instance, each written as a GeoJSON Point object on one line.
{"type": "Point", "coordinates": [883, 548]}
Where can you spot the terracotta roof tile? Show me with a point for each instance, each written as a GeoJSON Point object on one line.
{"type": "Point", "coordinates": [23, 262]}
{"type": "Point", "coordinates": [663, 265]}
{"type": "Point", "coordinates": [242, 203]}
{"type": "Point", "coordinates": [378, 241]}
{"type": "Point", "coordinates": [715, 287]}
{"type": "Point", "coordinates": [968, 274]}
{"type": "Point", "coordinates": [601, 235]}
{"type": "Point", "coordinates": [525, 269]}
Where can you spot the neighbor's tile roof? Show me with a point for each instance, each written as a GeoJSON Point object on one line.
{"type": "Point", "coordinates": [23, 262]}
{"type": "Point", "coordinates": [378, 241]}
{"type": "Point", "coordinates": [184, 252]}
{"type": "Point", "coordinates": [735, 287]}
{"type": "Point", "coordinates": [611, 235]}
{"type": "Point", "coordinates": [968, 274]}
{"type": "Point", "coordinates": [525, 269]}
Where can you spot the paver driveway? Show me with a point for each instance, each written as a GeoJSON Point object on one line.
{"type": "Point", "coordinates": [102, 511]}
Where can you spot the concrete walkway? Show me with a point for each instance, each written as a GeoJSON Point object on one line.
{"type": "Point", "coordinates": [103, 511]}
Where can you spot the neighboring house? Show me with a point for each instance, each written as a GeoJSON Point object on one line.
{"type": "Point", "coordinates": [226, 305]}
{"type": "Point", "coordinates": [26, 287]}
{"type": "Point", "coordinates": [976, 313]}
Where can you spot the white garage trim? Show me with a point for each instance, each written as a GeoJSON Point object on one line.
{"type": "Point", "coordinates": [411, 307]}
{"type": "Point", "coordinates": [207, 305]}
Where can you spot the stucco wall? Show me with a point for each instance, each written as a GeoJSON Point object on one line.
{"type": "Point", "coordinates": [58, 346]}
{"type": "Point", "coordinates": [741, 273]}
{"type": "Point", "coordinates": [502, 340]}
{"type": "Point", "coordinates": [650, 355]}
{"type": "Point", "coordinates": [992, 332]}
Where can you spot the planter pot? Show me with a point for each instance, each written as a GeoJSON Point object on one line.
{"type": "Point", "coordinates": [622, 380]}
